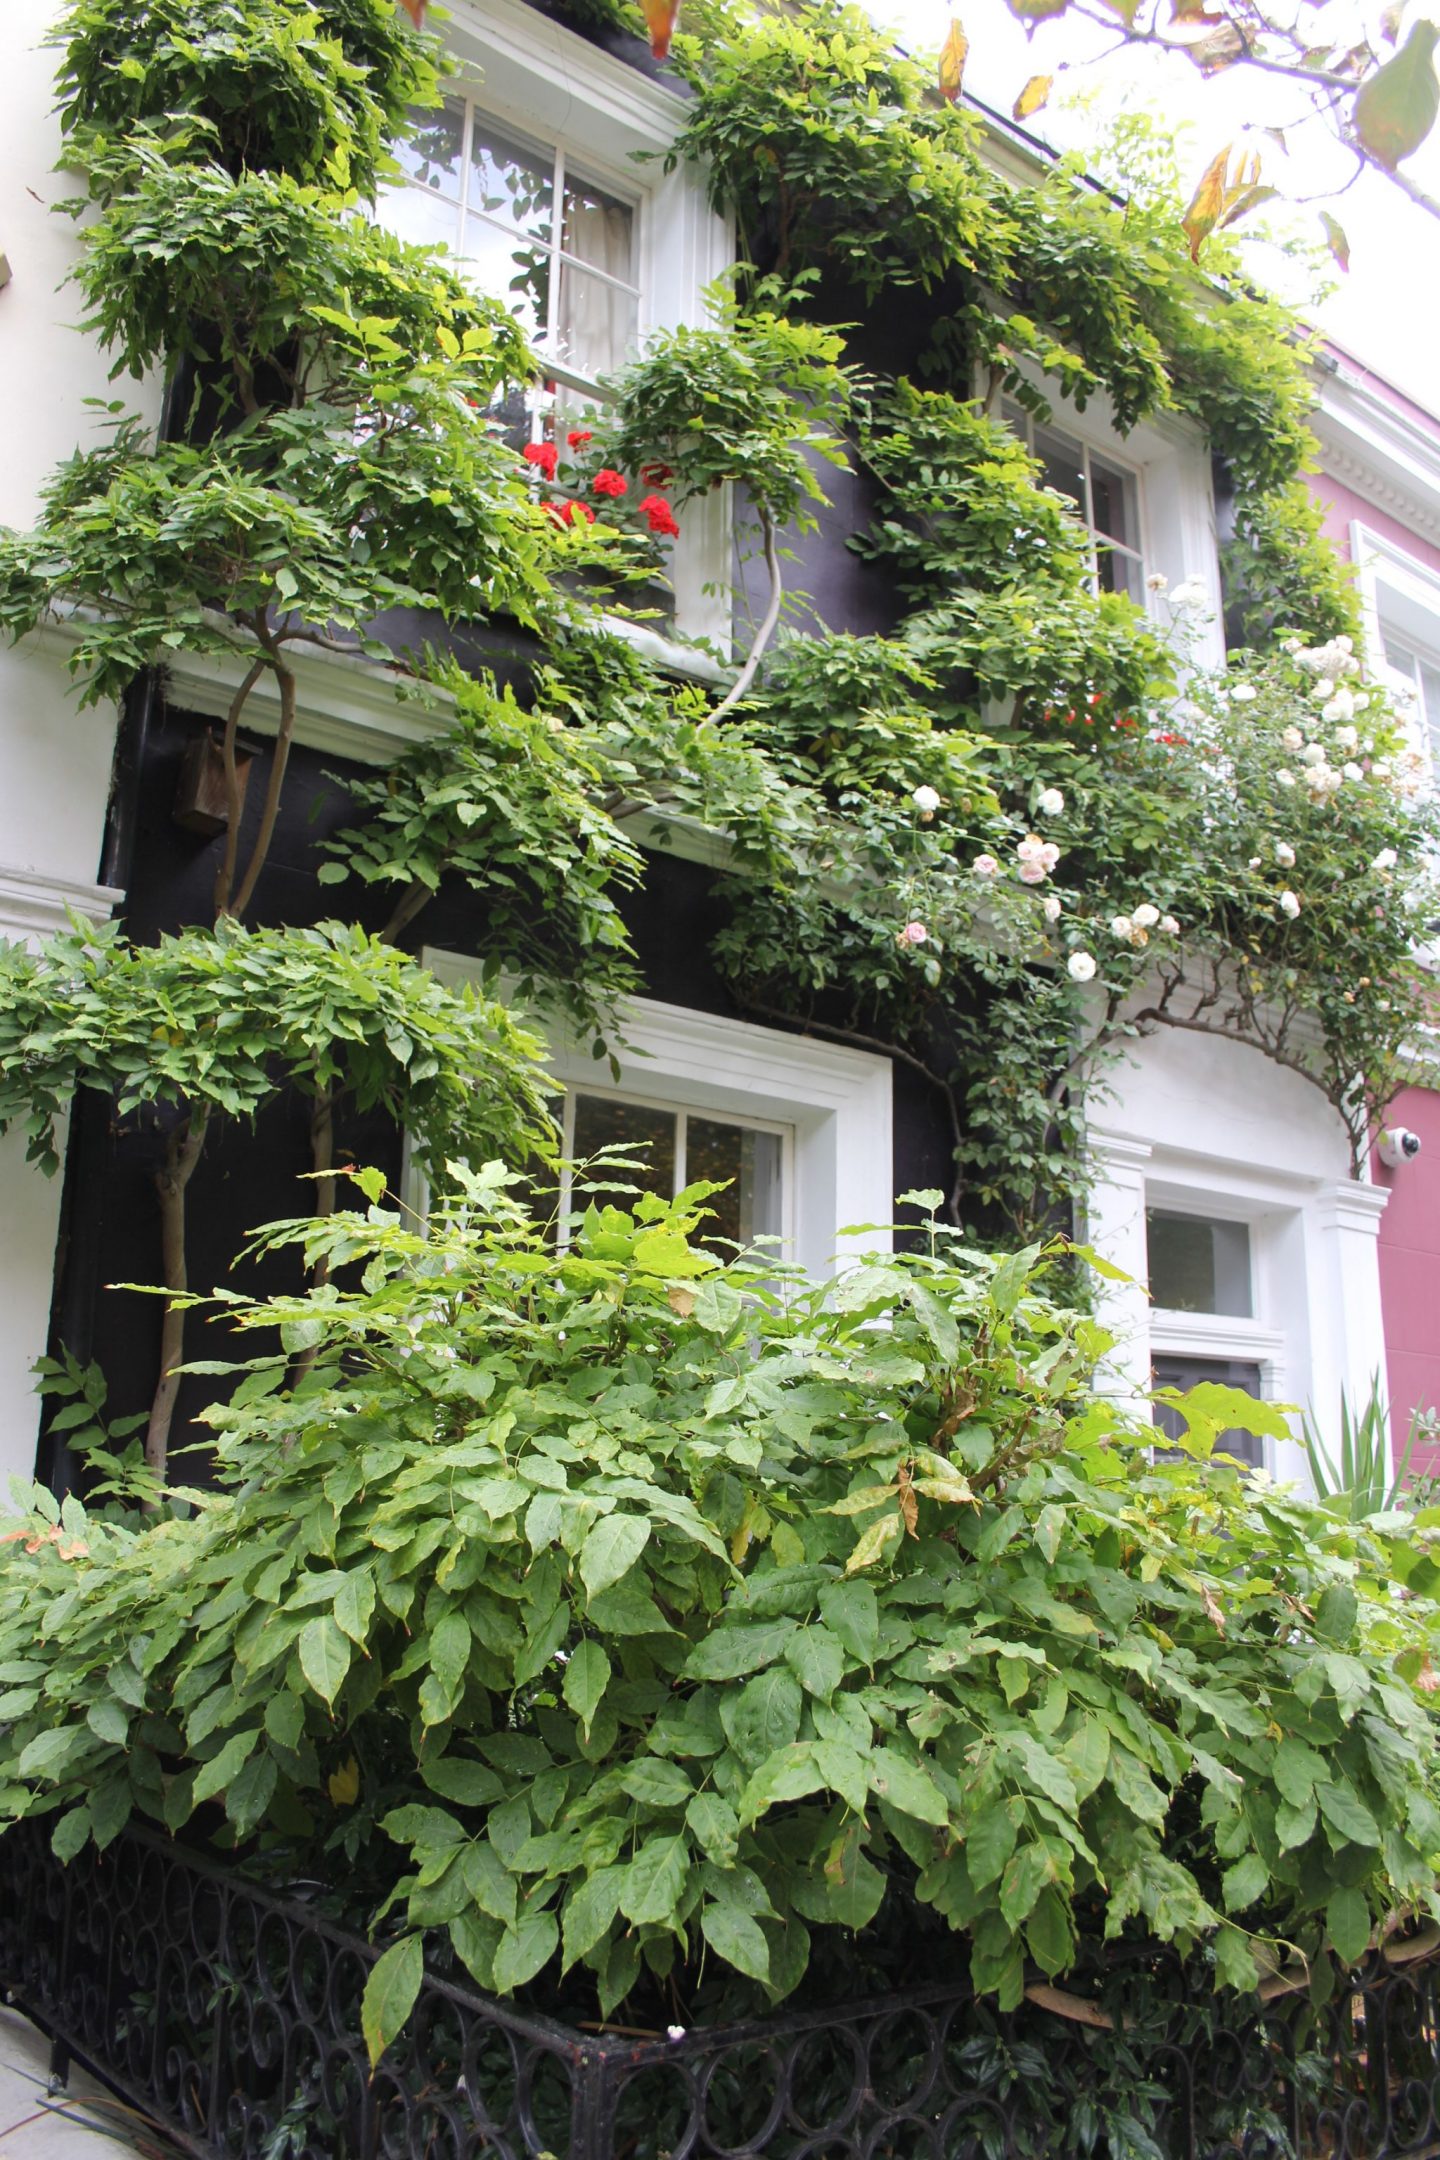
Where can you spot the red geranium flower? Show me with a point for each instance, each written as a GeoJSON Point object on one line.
{"type": "Point", "coordinates": [658, 514]}
{"type": "Point", "coordinates": [573, 510]}
{"type": "Point", "coordinates": [607, 482]}
{"type": "Point", "coordinates": [543, 455]}
{"type": "Point", "coordinates": [578, 436]}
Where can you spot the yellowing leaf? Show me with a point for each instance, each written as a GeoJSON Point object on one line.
{"type": "Point", "coordinates": [1335, 239]}
{"type": "Point", "coordinates": [952, 61]}
{"type": "Point", "coordinates": [343, 1785]}
{"type": "Point", "coordinates": [1395, 110]}
{"type": "Point", "coordinates": [661, 17]}
{"type": "Point", "coordinates": [1035, 94]}
{"type": "Point", "coordinates": [1207, 204]}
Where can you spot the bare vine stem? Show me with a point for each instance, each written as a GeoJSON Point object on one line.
{"type": "Point", "coordinates": [768, 621]}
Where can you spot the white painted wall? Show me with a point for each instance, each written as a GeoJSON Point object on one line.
{"type": "Point", "coordinates": [54, 760]}
{"type": "Point", "coordinates": [1209, 1127]}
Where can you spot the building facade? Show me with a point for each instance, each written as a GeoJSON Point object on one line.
{"type": "Point", "coordinates": [1222, 1184]}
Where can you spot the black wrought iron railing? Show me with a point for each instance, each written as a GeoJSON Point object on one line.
{"type": "Point", "coordinates": [232, 2017]}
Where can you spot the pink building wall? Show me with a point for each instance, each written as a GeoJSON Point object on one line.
{"type": "Point", "coordinates": [1410, 1272]}
{"type": "Point", "coordinates": [1410, 1226]}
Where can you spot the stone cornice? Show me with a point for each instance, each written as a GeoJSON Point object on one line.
{"type": "Point", "coordinates": [1376, 449]}
{"type": "Point", "coordinates": [34, 904]}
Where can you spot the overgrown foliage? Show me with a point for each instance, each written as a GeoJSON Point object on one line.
{"type": "Point", "coordinates": [668, 1626]}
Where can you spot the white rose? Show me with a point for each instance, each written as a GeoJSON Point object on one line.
{"type": "Point", "coordinates": [1362, 700]}
{"type": "Point", "coordinates": [1052, 907]}
{"type": "Point", "coordinates": [1146, 915]}
{"type": "Point", "coordinates": [1352, 771]}
{"type": "Point", "coordinates": [1051, 801]}
{"type": "Point", "coordinates": [1169, 925]}
{"type": "Point", "coordinates": [1339, 707]}
{"type": "Point", "coordinates": [1081, 966]}
{"type": "Point", "coordinates": [1285, 779]}
{"type": "Point", "coordinates": [1121, 926]}
{"type": "Point", "coordinates": [1289, 905]}
{"type": "Point", "coordinates": [1189, 594]}
{"type": "Point", "coordinates": [1284, 854]}
{"type": "Point", "coordinates": [1385, 860]}
{"type": "Point", "coordinates": [1157, 582]}
{"type": "Point", "coordinates": [926, 800]}
{"type": "Point", "coordinates": [1243, 692]}
{"type": "Point", "coordinates": [1323, 690]}
{"type": "Point", "coordinates": [1292, 738]}
{"type": "Point", "coordinates": [1313, 754]}
{"type": "Point", "coordinates": [1347, 737]}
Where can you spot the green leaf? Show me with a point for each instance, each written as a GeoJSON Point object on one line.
{"type": "Point", "coordinates": [109, 1720]}
{"type": "Point", "coordinates": [1395, 108]}
{"type": "Point", "coordinates": [656, 1783]}
{"type": "Point", "coordinates": [215, 1775]}
{"type": "Point", "coordinates": [716, 1826]}
{"type": "Point", "coordinates": [734, 1936]}
{"type": "Point", "coordinates": [611, 1549]}
{"type": "Point", "coordinates": [354, 1604]}
{"type": "Point", "coordinates": [1346, 1813]}
{"type": "Point", "coordinates": [851, 1610]}
{"type": "Point", "coordinates": [248, 1795]}
{"type": "Point", "coordinates": [1234, 1961]}
{"type": "Point", "coordinates": [587, 1675]}
{"type": "Point", "coordinates": [70, 1834]}
{"type": "Point", "coordinates": [789, 1774]}
{"type": "Point", "coordinates": [1049, 1932]}
{"type": "Point", "coordinates": [324, 1657]}
{"type": "Point", "coordinates": [819, 1659]}
{"type": "Point", "coordinates": [1336, 1613]}
{"type": "Point", "coordinates": [730, 1652]}
{"type": "Point", "coordinates": [390, 1994]}
{"type": "Point", "coordinates": [523, 1949]}
{"type": "Point", "coordinates": [989, 1842]}
{"type": "Point", "coordinates": [1244, 1883]}
{"type": "Point", "coordinates": [455, 1777]}
{"type": "Point", "coordinates": [655, 1880]}
{"type": "Point", "coordinates": [1298, 1770]}
{"type": "Point", "coordinates": [589, 1910]}
{"type": "Point", "coordinates": [1026, 1874]}
{"type": "Point", "coordinates": [1347, 1923]}
{"type": "Point", "coordinates": [764, 1716]}
{"type": "Point", "coordinates": [449, 1651]}
{"type": "Point", "coordinates": [906, 1786]}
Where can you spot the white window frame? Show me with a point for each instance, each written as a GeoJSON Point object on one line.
{"type": "Point", "coordinates": [622, 185]}
{"type": "Point", "coordinates": [1399, 598]}
{"type": "Point", "coordinates": [837, 1102]}
{"type": "Point", "coordinates": [541, 81]}
{"type": "Point", "coordinates": [1058, 425]}
{"type": "Point", "coordinates": [783, 1130]}
{"type": "Point", "coordinates": [1179, 535]}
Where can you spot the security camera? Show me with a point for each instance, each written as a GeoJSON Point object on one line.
{"type": "Point", "coordinates": [1398, 1146]}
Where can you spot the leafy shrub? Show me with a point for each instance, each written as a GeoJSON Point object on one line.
{"type": "Point", "coordinates": [619, 1611]}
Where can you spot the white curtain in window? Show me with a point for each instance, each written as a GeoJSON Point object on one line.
{"type": "Point", "coordinates": [596, 322]}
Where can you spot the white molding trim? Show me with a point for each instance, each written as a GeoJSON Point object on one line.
{"type": "Point", "coordinates": [347, 706]}
{"type": "Point", "coordinates": [838, 1100]}
{"type": "Point", "coordinates": [1216, 1335]}
{"type": "Point", "coordinates": [34, 904]}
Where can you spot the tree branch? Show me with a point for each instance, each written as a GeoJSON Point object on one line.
{"type": "Point", "coordinates": [283, 738]}
{"type": "Point", "coordinates": [225, 875]}
{"type": "Point", "coordinates": [768, 621]}
{"type": "Point", "coordinates": [171, 1179]}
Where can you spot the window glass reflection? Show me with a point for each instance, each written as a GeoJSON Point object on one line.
{"type": "Point", "coordinates": [1198, 1264]}
{"type": "Point", "coordinates": [603, 1121]}
{"type": "Point", "coordinates": [751, 1162]}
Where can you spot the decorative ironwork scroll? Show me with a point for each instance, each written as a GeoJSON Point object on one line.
{"type": "Point", "coordinates": [232, 2017]}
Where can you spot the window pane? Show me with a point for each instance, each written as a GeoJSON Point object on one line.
{"type": "Point", "coordinates": [751, 1161]}
{"type": "Point", "coordinates": [1197, 1264]}
{"type": "Point", "coordinates": [1119, 573]}
{"type": "Point", "coordinates": [598, 230]}
{"type": "Point", "coordinates": [1112, 504]}
{"type": "Point", "coordinates": [515, 187]}
{"type": "Point", "coordinates": [649, 1135]}
{"type": "Point", "coordinates": [1062, 464]}
{"type": "Point", "coordinates": [1184, 1373]}
{"type": "Point", "coordinates": [596, 324]}
{"type": "Point", "coordinates": [425, 220]}
{"type": "Point", "coordinates": [1399, 657]}
{"type": "Point", "coordinates": [520, 276]}
{"type": "Point", "coordinates": [431, 158]}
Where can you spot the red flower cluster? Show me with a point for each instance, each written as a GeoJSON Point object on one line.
{"type": "Point", "coordinates": [607, 482]}
{"type": "Point", "coordinates": [659, 516]}
{"type": "Point", "coordinates": [543, 456]}
{"type": "Point", "coordinates": [565, 513]}
{"type": "Point", "coordinates": [578, 437]}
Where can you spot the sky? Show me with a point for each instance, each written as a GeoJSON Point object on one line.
{"type": "Point", "coordinates": [1386, 310]}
